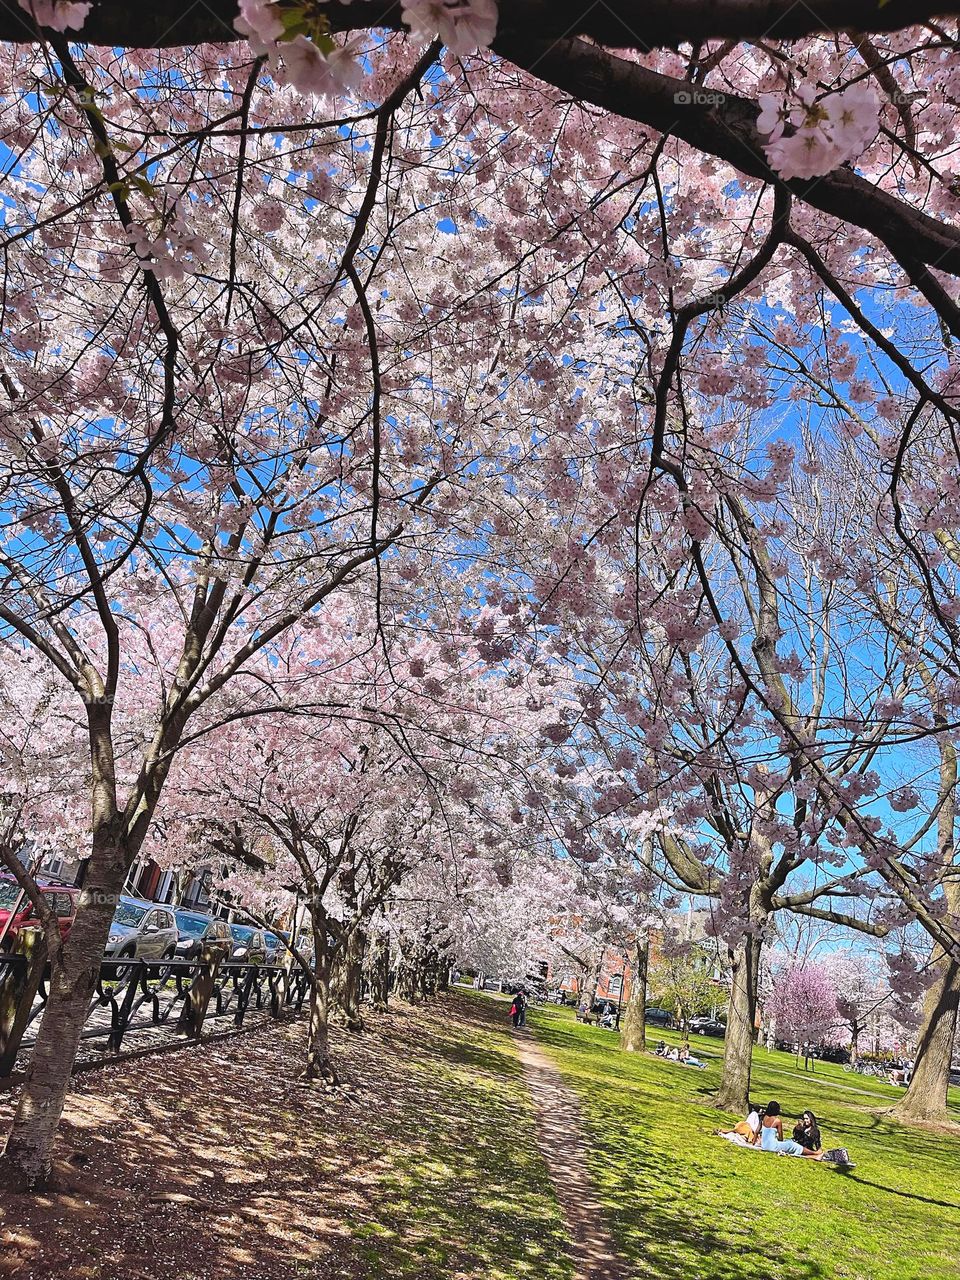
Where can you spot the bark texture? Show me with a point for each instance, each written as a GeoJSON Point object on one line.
{"type": "Point", "coordinates": [665, 23]}
{"type": "Point", "coordinates": [75, 967]}
{"type": "Point", "coordinates": [319, 1063]}
{"type": "Point", "coordinates": [348, 979]}
{"type": "Point", "coordinates": [379, 973]}
{"type": "Point", "coordinates": [734, 1092]}
{"type": "Point", "coordinates": [926, 1096]}
{"type": "Point", "coordinates": [633, 1028]}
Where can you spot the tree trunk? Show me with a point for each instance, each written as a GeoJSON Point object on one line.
{"type": "Point", "coordinates": [633, 1031]}
{"type": "Point", "coordinates": [75, 967]}
{"type": "Point", "coordinates": [443, 978]}
{"type": "Point", "coordinates": [855, 1030]}
{"type": "Point", "coordinates": [926, 1096]}
{"type": "Point", "coordinates": [589, 997]}
{"type": "Point", "coordinates": [431, 972]}
{"type": "Point", "coordinates": [406, 977]}
{"type": "Point", "coordinates": [684, 1023]}
{"type": "Point", "coordinates": [319, 1064]}
{"type": "Point", "coordinates": [379, 973]}
{"type": "Point", "coordinates": [734, 1092]}
{"type": "Point", "coordinates": [348, 978]}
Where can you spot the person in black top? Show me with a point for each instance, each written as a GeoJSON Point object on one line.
{"type": "Point", "coordinates": [807, 1132]}
{"type": "Point", "coordinates": [518, 1010]}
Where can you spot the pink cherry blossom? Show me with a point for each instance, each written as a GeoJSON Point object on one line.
{"type": "Point", "coordinates": [323, 74]}
{"type": "Point", "coordinates": [824, 133]}
{"type": "Point", "coordinates": [58, 15]}
{"type": "Point", "coordinates": [464, 26]}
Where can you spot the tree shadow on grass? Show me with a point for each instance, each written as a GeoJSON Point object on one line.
{"type": "Point", "coordinates": [653, 1208]}
{"type": "Point", "coordinates": [217, 1163]}
{"type": "Point", "coordinates": [480, 1057]}
{"type": "Point", "coordinates": [894, 1191]}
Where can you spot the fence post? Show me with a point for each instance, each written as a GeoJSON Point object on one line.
{"type": "Point", "coordinates": [120, 1018]}
{"type": "Point", "coordinates": [250, 974]}
{"type": "Point", "coordinates": [23, 969]}
{"type": "Point", "coordinates": [198, 997]}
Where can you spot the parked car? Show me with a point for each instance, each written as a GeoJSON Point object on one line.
{"type": "Point", "coordinates": [143, 931]}
{"type": "Point", "coordinates": [62, 899]}
{"type": "Point", "coordinates": [276, 947]}
{"type": "Point", "coordinates": [198, 931]}
{"type": "Point", "coordinates": [707, 1027]}
{"type": "Point", "coordinates": [834, 1053]}
{"type": "Point", "coordinates": [659, 1017]}
{"type": "Point", "coordinates": [305, 945]}
{"type": "Point", "coordinates": [249, 946]}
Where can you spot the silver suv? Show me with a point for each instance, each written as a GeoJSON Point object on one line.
{"type": "Point", "coordinates": [142, 931]}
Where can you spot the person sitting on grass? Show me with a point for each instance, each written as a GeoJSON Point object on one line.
{"type": "Point", "coordinates": [688, 1060]}
{"type": "Point", "coordinates": [746, 1132]}
{"type": "Point", "coordinates": [661, 1048]}
{"type": "Point", "coordinates": [807, 1132]}
{"type": "Point", "coordinates": [772, 1139]}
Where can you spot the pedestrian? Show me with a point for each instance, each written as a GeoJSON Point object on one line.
{"type": "Point", "coordinates": [518, 1010]}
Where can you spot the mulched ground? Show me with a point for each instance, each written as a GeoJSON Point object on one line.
{"type": "Point", "coordinates": [216, 1162]}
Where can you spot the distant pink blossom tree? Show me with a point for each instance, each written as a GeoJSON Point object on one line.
{"type": "Point", "coordinates": [803, 1003]}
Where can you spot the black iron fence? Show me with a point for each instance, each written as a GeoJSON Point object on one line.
{"type": "Point", "coordinates": [140, 995]}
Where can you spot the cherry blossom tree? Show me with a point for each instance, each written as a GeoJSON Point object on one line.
{"type": "Point", "coordinates": [260, 345]}
{"type": "Point", "coordinates": [862, 992]}
{"type": "Point", "coordinates": [803, 1004]}
{"type": "Point", "coordinates": [368, 788]}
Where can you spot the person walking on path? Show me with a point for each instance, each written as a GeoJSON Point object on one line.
{"type": "Point", "coordinates": [518, 1010]}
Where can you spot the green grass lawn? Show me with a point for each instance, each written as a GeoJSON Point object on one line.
{"type": "Point", "coordinates": [683, 1203]}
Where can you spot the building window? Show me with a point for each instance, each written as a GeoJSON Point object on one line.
{"type": "Point", "coordinates": [53, 865]}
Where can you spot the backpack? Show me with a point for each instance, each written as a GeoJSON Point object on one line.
{"type": "Point", "coordinates": [838, 1155]}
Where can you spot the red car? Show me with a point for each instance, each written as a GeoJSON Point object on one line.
{"type": "Point", "coordinates": [63, 900]}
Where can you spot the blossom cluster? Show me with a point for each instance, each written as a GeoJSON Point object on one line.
{"type": "Point", "coordinates": [464, 26]}
{"type": "Point", "coordinates": [313, 63]}
{"type": "Point", "coordinates": [809, 136]}
{"type": "Point", "coordinates": [172, 254]}
{"type": "Point", "coordinates": [58, 15]}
